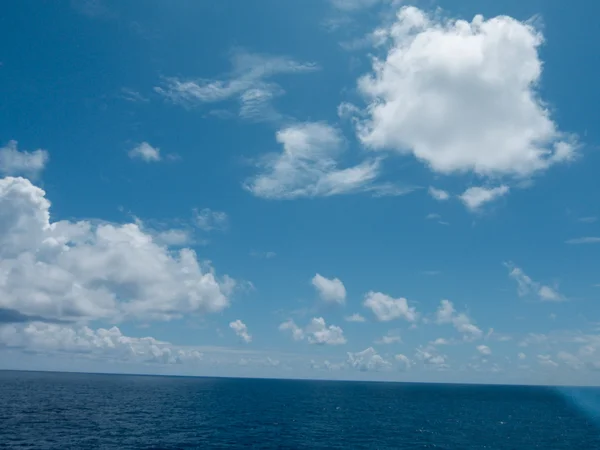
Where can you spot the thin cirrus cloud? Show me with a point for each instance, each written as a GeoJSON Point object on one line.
{"type": "Point", "coordinates": [250, 83]}
{"type": "Point", "coordinates": [309, 166]}
{"type": "Point", "coordinates": [584, 240]}
{"type": "Point", "coordinates": [210, 220]}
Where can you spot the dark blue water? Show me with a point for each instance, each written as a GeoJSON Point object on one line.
{"type": "Point", "coordinates": [81, 411]}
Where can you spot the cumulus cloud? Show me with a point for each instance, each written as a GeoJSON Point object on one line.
{"type": "Point", "coordinates": [145, 152]}
{"type": "Point", "coordinates": [92, 270]}
{"type": "Point", "coordinates": [330, 290]}
{"type": "Point", "coordinates": [484, 350]}
{"type": "Point", "coordinates": [250, 83]}
{"type": "Point", "coordinates": [241, 330]}
{"type": "Point", "coordinates": [209, 220]}
{"type": "Point", "coordinates": [438, 194]}
{"type": "Point", "coordinates": [14, 162]}
{"type": "Point", "coordinates": [309, 167]}
{"type": "Point", "coordinates": [316, 332]}
{"type": "Point", "coordinates": [296, 332]}
{"type": "Point", "coordinates": [101, 343]}
{"type": "Point", "coordinates": [403, 361]}
{"type": "Point", "coordinates": [319, 333]}
{"type": "Point", "coordinates": [387, 308]}
{"type": "Point", "coordinates": [430, 357]}
{"type": "Point", "coordinates": [366, 361]}
{"type": "Point", "coordinates": [446, 314]}
{"type": "Point", "coordinates": [527, 286]}
{"type": "Point", "coordinates": [355, 318]}
{"type": "Point", "coordinates": [475, 197]}
{"type": "Point", "coordinates": [522, 356]}
{"type": "Point", "coordinates": [392, 337]}
{"type": "Point", "coordinates": [461, 96]}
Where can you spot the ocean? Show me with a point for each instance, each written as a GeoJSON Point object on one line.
{"type": "Point", "coordinates": [90, 411]}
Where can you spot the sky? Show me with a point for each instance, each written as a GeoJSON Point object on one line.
{"type": "Point", "coordinates": [332, 189]}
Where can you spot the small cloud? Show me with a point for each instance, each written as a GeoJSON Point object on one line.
{"type": "Point", "coordinates": [366, 361]}
{"type": "Point", "coordinates": [209, 220]}
{"type": "Point", "coordinates": [584, 240]}
{"type": "Point", "coordinates": [355, 318]}
{"type": "Point", "coordinates": [590, 219]}
{"type": "Point", "coordinates": [484, 350]}
{"type": "Point", "coordinates": [250, 82]}
{"type": "Point", "coordinates": [431, 272]}
{"type": "Point", "coordinates": [14, 162]}
{"type": "Point", "coordinates": [527, 286]}
{"type": "Point", "coordinates": [330, 290]}
{"type": "Point", "coordinates": [546, 360]}
{"type": "Point", "coordinates": [438, 194]}
{"type": "Point", "coordinates": [133, 96]}
{"type": "Point", "coordinates": [145, 152]}
{"type": "Point", "coordinates": [463, 324]}
{"type": "Point", "coordinates": [404, 361]}
{"type": "Point", "coordinates": [475, 197]}
{"type": "Point", "coordinates": [316, 332]}
{"type": "Point", "coordinates": [263, 255]}
{"type": "Point", "coordinates": [241, 330]}
{"type": "Point", "coordinates": [386, 308]}
{"type": "Point", "coordinates": [391, 338]}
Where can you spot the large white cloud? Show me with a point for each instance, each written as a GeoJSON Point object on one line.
{"type": "Point", "coordinates": [461, 96]}
{"type": "Point", "coordinates": [101, 343]}
{"type": "Point", "coordinates": [82, 270]}
{"type": "Point", "coordinates": [330, 290]}
{"type": "Point", "coordinates": [15, 162]}
{"type": "Point", "coordinates": [387, 308]}
{"type": "Point", "coordinates": [309, 167]}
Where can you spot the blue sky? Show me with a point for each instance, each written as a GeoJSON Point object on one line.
{"type": "Point", "coordinates": [345, 189]}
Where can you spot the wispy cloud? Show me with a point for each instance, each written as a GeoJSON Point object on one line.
{"type": "Point", "coordinates": [208, 220]}
{"type": "Point", "coordinates": [584, 240]}
{"type": "Point", "coordinates": [526, 286]}
{"type": "Point", "coordinates": [133, 96]}
{"type": "Point", "coordinates": [249, 83]}
{"type": "Point", "coordinates": [309, 166]}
